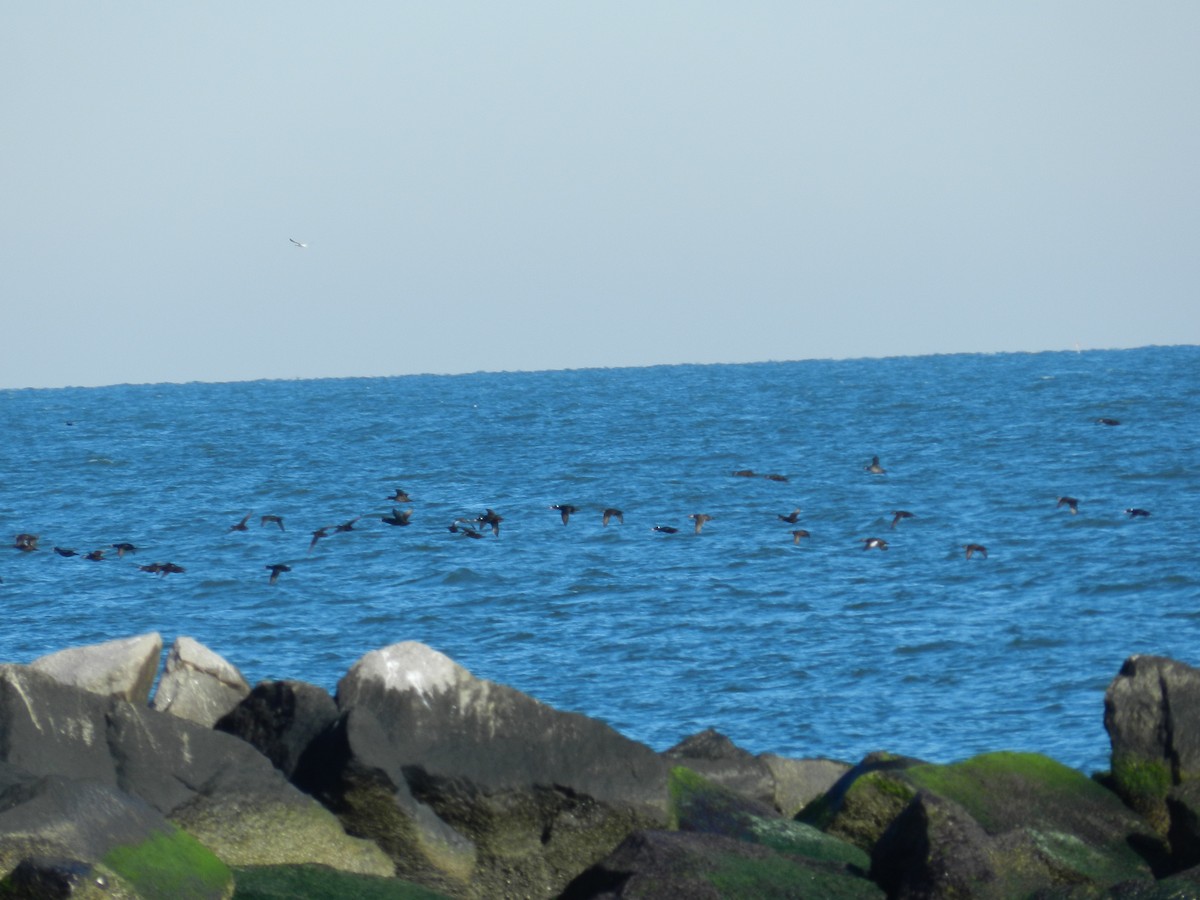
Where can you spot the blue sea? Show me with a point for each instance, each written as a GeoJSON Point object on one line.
{"type": "Point", "coordinates": [816, 648]}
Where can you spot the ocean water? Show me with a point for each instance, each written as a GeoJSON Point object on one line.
{"type": "Point", "coordinates": [811, 649]}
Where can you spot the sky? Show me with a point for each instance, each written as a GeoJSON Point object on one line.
{"type": "Point", "coordinates": [527, 186]}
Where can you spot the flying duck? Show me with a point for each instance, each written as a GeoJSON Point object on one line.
{"type": "Point", "coordinates": [874, 543]}
{"type": "Point", "coordinates": [1070, 502]}
{"type": "Point", "coordinates": [611, 513]}
{"type": "Point", "coordinates": [565, 510]}
{"type": "Point", "coordinates": [901, 514]}
{"type": "Point", "coordinates": [276, 568]}
{"type": "Point", "coordinates": [975, 548]}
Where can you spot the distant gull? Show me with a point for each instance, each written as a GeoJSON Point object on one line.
{"type": "Point", "coordinates": [301, 244]}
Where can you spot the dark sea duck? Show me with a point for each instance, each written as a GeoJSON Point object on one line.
{"type": "Point", "coordinates": [874, 467]}
{"type": "Point", "coordinates": [610, 514]}
{"type": "Point", "coordinates": [791, 518]}
{"type": "Point", "coordinates": [900, 514]}
{"type": "Point", "coordinates": [492, 520]}
{"type": "Point", "coordinates": [874, 543]}
{"type": "Point", "coordinates": [124, 547]}
{"type": "Point", "coordinates": [399, 497]}
{"type": "Point", "coordinates": [272, 520]}
{"type": "Point", "coordinates": [664, 529]}
{"type": "Point", "coordinates": [276, 569]}
{"type": "Point", "coordinates": [1135, 513]}
{"type": "Point", "coordinates": [398, 518]}
{"type": "Point", "coordinates": [700, 519]}
{"type": "Point", "coordinates": [798, 534]}
{"type": "Point", "coordinates": [241, 526]}
{"type": "Point", "coordinates": [565, 510]}
{"type": "Point", "coordinates": [25, 541]}
{"type": "Point", "coordinates": [1070, 503]}
{"type": "Point", "coordinates": [972, 549]}
{"type": "Point", "coordinates": [1104, 420]}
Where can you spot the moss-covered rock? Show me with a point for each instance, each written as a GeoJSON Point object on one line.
{"type": "Point", "coordinates": [652, 865]}
{"type": "Point", "coordinates": [171, 864]}
{"type": "Point", "coordinates": [320, 883]}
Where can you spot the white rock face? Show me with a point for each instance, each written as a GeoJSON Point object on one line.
{"type": "Point", "coordinates": [407, 666]}
{"type": "Point", "coordinates": [198, 684]}
{"type": "Point", "coordinates": [121, 668]}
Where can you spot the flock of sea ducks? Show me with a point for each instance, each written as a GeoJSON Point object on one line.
{"type": "Point", "coordinates": [475, 526]}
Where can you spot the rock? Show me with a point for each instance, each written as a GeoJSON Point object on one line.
{"type": "Point", "coordinates": [1036, 814]}
{"type": "Point", "coordinates": [122, 668]}
{"type": "Point", "coordinates": [474, 788]}
{"type": "Point", "coordinates": [718, 759]}
{"type": "Point", "coordinates": [800, 781]}
{"type": "Point", "coordinates": [1183, 834]}
{"type": "Point", "coordinates": [437, 715]}
{"type": "Point", "coordinates": [63, 837]}
{"type": "Point", "coordinates": [197, 684]}
{"type": "Point", "coordinates": [660, 864]}
{"type": "Point", "coordinates": [1152, 715]}
{"type": "Point", "coordinates": [281, 719]}
{"type": "Point", "coordinates": [177, 767]}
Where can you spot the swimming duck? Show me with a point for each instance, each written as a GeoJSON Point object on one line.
{"type": "Point", "coordinates": [1135, 513]}
{"type": "Point", "coordinates": [875, 468]}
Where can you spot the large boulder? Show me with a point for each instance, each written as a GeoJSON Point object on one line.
{"type": "Point", "coordinates": [662, 864]}
{"type": "Point", "coordinates": [1010, 819]}
{"type": "Point", "coordinates": [180, 769]}
{"type": "Point", "coordinates": [123, 668]}
{"type": "Point", "coordinates": [281, 719]}
{"type": "Point", "coordinates": [718, 759]}
{"type": "Point", "coordinates": [472, 787]}
{"type": "Point", "coordinates": [800, 781]}
{"type": "Point", "coordinates": [198, 684]}
{"type": "Point", "coordinates": [64, 837]}
{"type": "Point", "coordinates": [1152, 715]}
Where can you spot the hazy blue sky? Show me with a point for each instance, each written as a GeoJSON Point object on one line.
{"type": "Point", "coordinates": [490, 186]}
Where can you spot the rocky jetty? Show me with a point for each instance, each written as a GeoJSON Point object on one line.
{"type": "Point", "coordinates": [417, 779]}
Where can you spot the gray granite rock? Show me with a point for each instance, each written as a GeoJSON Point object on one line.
{"type": "Point", "coordinates": [198, 684]}
{"type": "Point", "coordinates": [122, 668]}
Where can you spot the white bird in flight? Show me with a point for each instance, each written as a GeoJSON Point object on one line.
{"type": "Point", "coordinates": [300, 244]}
